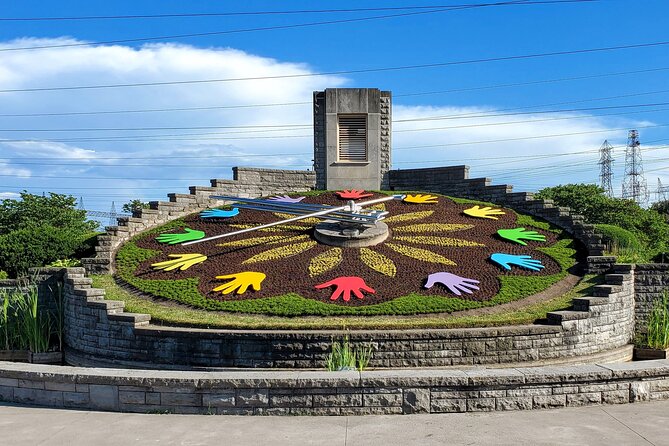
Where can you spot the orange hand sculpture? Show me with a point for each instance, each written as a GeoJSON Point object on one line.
{"type": "Point", "coordinates": [352, 194]}
{"type": "Point", "coordinates": [346, 285]}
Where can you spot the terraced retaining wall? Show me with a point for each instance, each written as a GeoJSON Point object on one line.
{"type": "Point", "coordinates": [100, 333]}
{"type": "Point", "coordinates": [334, 393]}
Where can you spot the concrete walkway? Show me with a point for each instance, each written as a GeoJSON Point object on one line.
{"type": "Point", "coordinates": [628, 424]}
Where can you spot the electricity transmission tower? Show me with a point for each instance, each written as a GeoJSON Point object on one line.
{"type": "Point", "coordinates": [634, 185]}
{"type": "Point", "coordinates": [605, 172]}
{"type": "Point", "coordinates": [112, 215]}
{"type": "Point", "coordinates": [662, 191]}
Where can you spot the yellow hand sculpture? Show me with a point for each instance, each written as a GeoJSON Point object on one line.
{"type": "Point", "coordinates": [421, 198]}
{"type": "Point", "coordinates": [241, 282]}
{"type": "Point", "coordinates": [181, 261]}
{"type": "Point", "coordinates": [486, 212]}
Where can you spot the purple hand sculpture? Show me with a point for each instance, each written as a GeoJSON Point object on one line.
{"type": "Point", "coordinates": [454, 283]}
{"type": "Point", "coordinates": [285, 199]}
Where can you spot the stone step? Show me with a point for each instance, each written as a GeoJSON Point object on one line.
{"type": "Point", "coordinates": [130, 318]}
{"type": "Point", "coordinates": [605, 290]}
{"type": "Point", "coordinates": [584, 303]}
{"type": "Point", "coordinates": [107, 304]}
{"type": "Point", "coordinates": [557, 317]}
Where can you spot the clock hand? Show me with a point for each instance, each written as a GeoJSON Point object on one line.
{"type": "Point", "coordinates": [326, 212]}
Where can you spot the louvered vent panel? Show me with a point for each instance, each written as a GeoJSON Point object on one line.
{"type": "Point", "coordinates": [352, 137]}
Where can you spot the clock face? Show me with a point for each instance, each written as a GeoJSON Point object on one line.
{"type": "Point", "coordinates": [438, 250]}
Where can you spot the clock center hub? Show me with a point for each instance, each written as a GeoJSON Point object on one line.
{"type": "Point", "coordinates": [350, 235]}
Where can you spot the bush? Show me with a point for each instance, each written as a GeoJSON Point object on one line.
{"type": "Point", "coordinates": [37, 230]}
{"type": "Point", "coordinates": [36, 245]}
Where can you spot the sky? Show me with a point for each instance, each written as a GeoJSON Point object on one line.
{"type": "Point", "coordinates": [524, 92]}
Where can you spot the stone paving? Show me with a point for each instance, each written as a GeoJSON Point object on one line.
{"type": "Point", "coordinates": [629, 424]}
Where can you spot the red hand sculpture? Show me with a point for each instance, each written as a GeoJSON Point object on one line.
{"type": "Point", "coordinates": [345, 285]}
{"type": "Point", "coordinates": [352, 194]}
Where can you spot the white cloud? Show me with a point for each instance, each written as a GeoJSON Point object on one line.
{"type": "Point", "coordinates": [9, 195]}
{"type": "Point", "coordinates": [180, 155]}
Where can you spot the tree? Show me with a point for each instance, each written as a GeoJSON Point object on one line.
{"type": "Point", "coordinates": [56, 210]}
{"type": "Point", "coordinates": [133, 206]}
{"type": "Point", "coordinates": [661, 207]}
{"type": "Point", "coordinates": [36, 230]}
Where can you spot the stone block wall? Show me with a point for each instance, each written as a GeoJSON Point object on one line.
{"type": "Point", "coordinates": [334, 393]}
{"type": "Point", "coordinates": [100, 333]}
{"type": "Point", "coordinates": [651, 282]}
{"type": "Point", "coordinates": [455, 181]}
{"type": "Point", "coordinates": [371, 174]}
{"type": "Point", "coordinates": [247, 182]}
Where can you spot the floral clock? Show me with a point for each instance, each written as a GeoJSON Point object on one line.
{"type": "Point", "coordinates": [437, 248]}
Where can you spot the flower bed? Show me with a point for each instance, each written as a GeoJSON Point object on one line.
{"type": "Point", "coordinates": [425, 238]}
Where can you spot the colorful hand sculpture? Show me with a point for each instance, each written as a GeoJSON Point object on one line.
{"type": "Point", "coordinates": [173, 239]}
{"type": "Point", "coordinates": [506, 260]}
{"type": "Point", "coordinates": [454, 283]}
{"type": "Point", "coordinates": [346, 285]}
{"type": "Point", "coordinates": [241, 282]}
{"type": "Point", "coordinates": [285, 199]}
{"type": "Point", "coordinates": [486, 212]}
{"type": "Point", "coordinates": [352, 194]}
{"type": "Point", "coordinates": [519, 234]}
{"type": "Point", "coordinates": [219, 213]}
{"type": "Point", "coordinates": [181, 261]}
{"type": "Point", "coordinates": [421, 198]}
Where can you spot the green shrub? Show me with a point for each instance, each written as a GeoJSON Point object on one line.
{"type": "Point", "coordinates": [36, 245]}
{"type": "Point", "coordinates": [3, 275]}
{"type": "Point", "coordinates": [622, 238]}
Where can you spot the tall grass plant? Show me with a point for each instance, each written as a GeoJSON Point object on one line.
{"type": "Point", "coordinates": [24, 324]}
{"type": "Point", "coordinates": [346, 357]}
{"type": "Point", "coordinates": [658, 324]}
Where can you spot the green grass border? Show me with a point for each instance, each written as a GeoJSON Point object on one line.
{"type": "Point", "coordinates": [188, 317]}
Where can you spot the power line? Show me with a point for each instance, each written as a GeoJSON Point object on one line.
{"type": "Point", "coordinates": [297, 25]}
{"type": "Point", "coordinates": [340, 72]}
{"type": "Point", "coordinates": [284, 104]}
{"type": "Point", "coordinates": [282, 127]}
{"type": "Point", "coordinates": [238, 13]}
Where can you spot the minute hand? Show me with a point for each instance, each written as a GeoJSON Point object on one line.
{"type": "Point", "coordinates": [298, 218]}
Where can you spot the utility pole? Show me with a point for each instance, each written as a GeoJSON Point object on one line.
{"type": "Point", "coordinates": [605, 163]}
{"type": "Point", "coordinates": [634, 185]}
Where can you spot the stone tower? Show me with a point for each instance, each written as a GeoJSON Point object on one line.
{"type": "Point", "coordinates": [352, 138]}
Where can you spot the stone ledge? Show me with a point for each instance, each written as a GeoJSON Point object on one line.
{"type": "Point", "coordinates": [334, 393]}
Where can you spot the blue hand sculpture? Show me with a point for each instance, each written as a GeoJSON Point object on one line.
{"type": "Point", "coordinates": [285, 199]}
{"type": "Point", "coordinates": [506, 260]}
{"type": "Point", "coordinates": [454, 283]}
{"type": "Point", "coordinates": [219, 213]}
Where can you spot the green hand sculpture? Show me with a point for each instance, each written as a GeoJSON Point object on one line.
{"type": "Point", "coordinates": [173, 239]}
{"type": "Point", "coordinates": [519, 234]}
